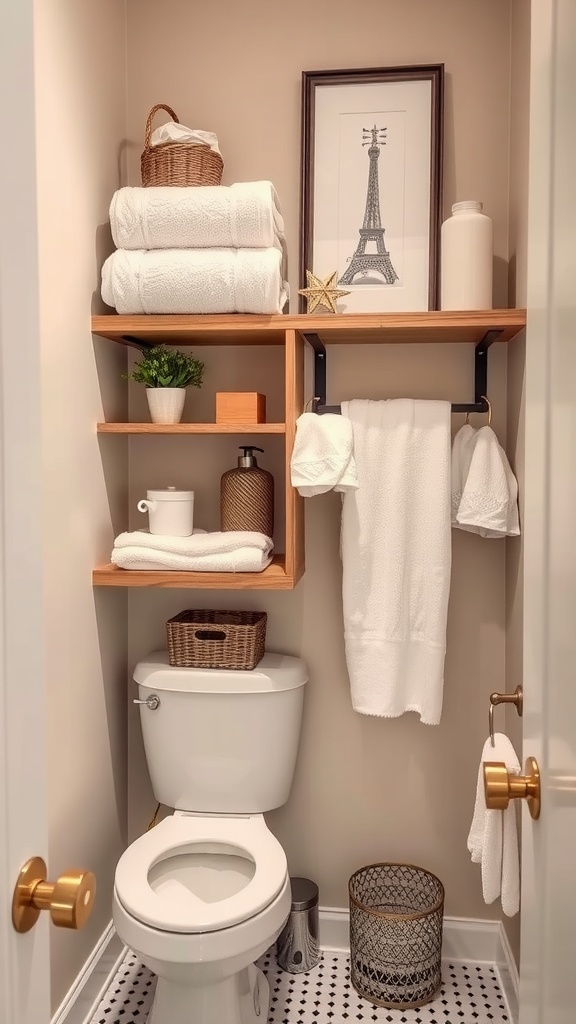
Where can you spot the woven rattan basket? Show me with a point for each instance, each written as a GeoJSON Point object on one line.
{"type": "Point", "coordinates": [209, 639]}
{"type": "Point", "coordinates": [178, 163]}
{"type": "Point", "coordinates": [396, 915]}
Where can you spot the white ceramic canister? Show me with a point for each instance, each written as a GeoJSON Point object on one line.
{"type": "Point", "coordinates": [170, 512]}
{"type": "Point", "coordinates": [466, 258]}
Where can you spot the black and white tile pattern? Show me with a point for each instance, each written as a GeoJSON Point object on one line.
{"type": "Point", "coordinates": [470, 994]}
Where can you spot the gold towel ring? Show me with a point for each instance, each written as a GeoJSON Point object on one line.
{"type": "Point", "coordinates": [488, 403]}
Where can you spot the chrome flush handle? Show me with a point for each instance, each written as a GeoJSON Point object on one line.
{"type": "Point", "coordinates": [152, 702]}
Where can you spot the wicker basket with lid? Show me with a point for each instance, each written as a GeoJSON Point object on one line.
{"type": "Point", "coordinates": [178, 163]}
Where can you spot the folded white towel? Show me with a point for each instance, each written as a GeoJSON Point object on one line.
{"type": "Point", "coordinates": [195, 281]}
{"type": "Point", "coordinates": [493, 837]}
{"type": "Point", "coordinates": [484, 488]}
{"type": "Point", "coordinates": [234, 551]}
{"type": "Point", "coordinates": [396, 556]}
{"type": "Point", "coordinates": [323, 457]}
{"type": "Point", "coordinates": [241, 216]}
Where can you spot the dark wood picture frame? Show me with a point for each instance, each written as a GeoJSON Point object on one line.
{"type": "Point", "coordinates": [311, 80]}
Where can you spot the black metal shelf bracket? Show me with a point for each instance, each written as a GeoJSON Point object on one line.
{"type": "Point", "coordinates": [480, 375]}
{"type": "Point", "coordinates": [133, 342]}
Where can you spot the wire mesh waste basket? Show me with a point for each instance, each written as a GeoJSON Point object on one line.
{"type": "Point", "coordinates": [396, 913]}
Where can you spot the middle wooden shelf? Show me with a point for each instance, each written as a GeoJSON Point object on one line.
{"type": "Point", "coordinates": [191, 428]}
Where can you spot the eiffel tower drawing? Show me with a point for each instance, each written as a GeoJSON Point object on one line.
{"type": "Point", "coordinates": [371, 231]}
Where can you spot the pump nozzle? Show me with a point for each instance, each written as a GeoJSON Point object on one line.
{"type": "Point", "coordinates": [248, 459]}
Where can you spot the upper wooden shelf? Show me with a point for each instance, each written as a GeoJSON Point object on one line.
{"type": "Point", "coordinates": [346, 328]}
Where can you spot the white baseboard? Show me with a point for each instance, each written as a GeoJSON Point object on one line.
{"type": "Point", "coordinates": [81, 1001]}
{"type": "Point", "coordinates": [508, 971]}
{"type": "Point", "coordinates": [464, 938]}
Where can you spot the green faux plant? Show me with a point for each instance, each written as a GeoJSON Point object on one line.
{"type": "Point", "coordinates": [162, 367]}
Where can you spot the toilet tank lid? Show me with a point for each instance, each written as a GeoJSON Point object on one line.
{"type": "Point", "coordinates": [275, 672]}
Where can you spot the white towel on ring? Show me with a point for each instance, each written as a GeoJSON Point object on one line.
{"type": "Point", "coordinates": [232, 551]}
{"type": "Point", "coordinates": [323, 456]}
{"type": "Point", "coordinates": [484, 488]}
{"type": "Point", "coordinates": [195, 281]}
{"type": "Point", "coordinates": [493, 836]}
{"type": "Point", "coordinates": [245, 215]}
{"type": "Point", "coordinates": [396, 556]}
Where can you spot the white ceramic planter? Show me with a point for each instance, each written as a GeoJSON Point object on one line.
{"type": "Point", "coordinates": [166, 404]}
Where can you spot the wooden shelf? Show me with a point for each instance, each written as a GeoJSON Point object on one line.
{"type": "Point", "coordinates": [191, 428]}
{"type": "Point", "coordinates": [274, 577]}
{"type": "Point", "coordinates": [433, 327]}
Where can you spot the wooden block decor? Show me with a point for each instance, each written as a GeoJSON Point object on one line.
{"type": "Point", "coordinates": [240, 407]}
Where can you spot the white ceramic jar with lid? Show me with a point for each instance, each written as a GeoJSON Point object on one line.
{"type": "Point", "coordinates": [466, 258]}
{"type": "Point", "coordinates": [170, 512]}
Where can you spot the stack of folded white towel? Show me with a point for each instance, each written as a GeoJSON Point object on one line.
{"type": "Point", "coordinates": [235, 551]}
{"type": "Point", "coordinates": [204, 249]}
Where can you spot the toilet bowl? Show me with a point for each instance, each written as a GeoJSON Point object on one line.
{"type": "Point", "coordinates": [202, 895]}
{"type": "Point", "coordinates": [199, 898]}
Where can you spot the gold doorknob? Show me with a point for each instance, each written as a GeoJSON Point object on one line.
{"type": "Point", "coordinates": [69, 900]}
{"type": "Point", "coordinates": [500, 787]}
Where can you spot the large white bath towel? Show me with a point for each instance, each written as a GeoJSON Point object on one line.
{"type": "Point", "coordinates": [195, 281]}
{"type": "Point", "coordinates": [493, 837]}
{"type": "Point", "coordinates": [396, 556]}
{"type": "Point", "coordinates": [234, 551]}
{"type": "Point", "coordinates": [241, 216]}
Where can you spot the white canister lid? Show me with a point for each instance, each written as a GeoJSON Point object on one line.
{"type": "Point", "coordinates": [170, 494]}
{"type": "Point", "coordinates": [471, 205]}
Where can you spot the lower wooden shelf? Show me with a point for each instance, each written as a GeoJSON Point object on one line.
{"type": "Point", "coordinates": [272, 578]}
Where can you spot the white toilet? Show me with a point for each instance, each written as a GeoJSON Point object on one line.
{"type": "Point", "coordinates": [203, 894]}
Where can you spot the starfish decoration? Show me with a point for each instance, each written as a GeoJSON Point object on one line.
{"type": "Point", "coordinates": [321, 293]}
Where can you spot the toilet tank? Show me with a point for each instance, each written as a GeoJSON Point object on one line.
{"type": "Point", "coordinates": [222, 741]}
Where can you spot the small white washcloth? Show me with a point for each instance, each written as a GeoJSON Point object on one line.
{"type": "Point", "coordinates": [245, 215]}
{"type": "Point", "coordinates": [234, 551]}
{"type": "Point", "coordinates": [323, 455]}
{"type": "Point", "coordinates": [396, 556]}
{"type": "Point", "coordinates": [195, 281]}
{"type": "Point", "coordinates": [493, 837]}
{"type": "Point", "coordinates": [484, 488]}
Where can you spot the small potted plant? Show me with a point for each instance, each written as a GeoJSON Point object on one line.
{"type": "Point", "coordinates": [166, 373]}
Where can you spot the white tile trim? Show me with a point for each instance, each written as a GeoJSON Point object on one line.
{"type": "Point", "coordinates": [508, 972]}
{"type": "Point", "coordinates": [80, 1002]}
{"type": "Point", "coordinates": [465, 938]}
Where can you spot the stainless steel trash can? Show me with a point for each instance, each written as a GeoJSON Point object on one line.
{"type": "Point", "coordinates": [297, 948]}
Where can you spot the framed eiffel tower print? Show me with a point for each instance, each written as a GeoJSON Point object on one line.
{"type": "Point", "coordinates": [372, 184]}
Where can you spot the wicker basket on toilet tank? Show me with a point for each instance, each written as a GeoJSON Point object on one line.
{"type": "Point", "coordinates": [396, 913]}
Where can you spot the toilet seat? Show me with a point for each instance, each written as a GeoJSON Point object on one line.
{"type": "Point", "coordinates": [170, 906]}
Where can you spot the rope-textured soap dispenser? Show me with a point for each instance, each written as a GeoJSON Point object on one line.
{"type": "Point", "coordinates": [247, 495]}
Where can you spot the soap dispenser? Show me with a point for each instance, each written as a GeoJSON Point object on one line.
{"type": "Point", "coordinates": [247, 495]}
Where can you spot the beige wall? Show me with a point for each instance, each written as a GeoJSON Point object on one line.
{"type": "Point", "coordinates": [80, 84]}
{"type": "Point", "coordinates": [519, 132]}
{"type": "Point", "coordinates": [365, 789]}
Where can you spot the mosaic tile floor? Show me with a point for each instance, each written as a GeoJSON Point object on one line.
{"type": "Point", "coordinates": [470, 994]}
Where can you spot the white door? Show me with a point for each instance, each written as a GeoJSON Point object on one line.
{"type": "Point", "coordinates": [547, 970]}
{"type": "Point", "coordinates": [24, 959]}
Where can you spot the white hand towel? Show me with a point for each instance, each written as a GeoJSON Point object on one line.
{"type": "Point", "coordinates": [493, 837]}
{"type": "Point", "coordinates": [173, 131]}
{"type": "Point", "coordinates": [235, 551]}
{"type": "Point", "coordinates": [462, 446]}
{"type": "Point", "coordinates": [242, 216]}
{"type": "Point", "coordinates": [195, 281]}
{"type": "Point", "coordinates": [396, 556]}
{"type": "Point", "coordinates": [323, 456]}
{"type": "Point", "coordinates": [485, 494]}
